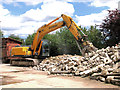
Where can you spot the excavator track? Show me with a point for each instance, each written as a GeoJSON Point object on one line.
{"type": "Point", "coordinates": [24, 62]}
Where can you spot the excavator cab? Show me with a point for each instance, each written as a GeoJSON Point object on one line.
{"type": "Point", "coordinates": [45, 48]}
{"type": "Point", "coordinates": [26, 50]}
{"type": "Point", "coordinates": [23, 55]}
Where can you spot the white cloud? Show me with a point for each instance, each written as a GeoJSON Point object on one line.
{"type": "Point", "coordinates": [91, 19]}
{"type": "Point", "coordinates": [31, 20]}
{"type": "Point", "coordinates": [50, 11]}
{"type": "Point", "coordinates": [97, 18]}
{"type": "Point", "coordinates": [112, 4]}
{"type": "Point", "coordinates": [10, 22]}
{"type": "Point", "coordinates": [3, 12]}
{"type": "Point", "coordinates": [57, 8]}
{"type": "Point", "coordinates": [27, 2]}
{"type": "Point", "coordinates": [14, 25]}
{"type": "Point", "coordinates": [34, 18]}
{"type": "Point", "coordinates": [76, 0]}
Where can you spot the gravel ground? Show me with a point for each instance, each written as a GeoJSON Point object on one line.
{"type": "Point", "coordinates": [24, 77]}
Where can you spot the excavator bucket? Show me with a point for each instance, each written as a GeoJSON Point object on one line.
{"type": "Point", "coordinates": [86, 47]}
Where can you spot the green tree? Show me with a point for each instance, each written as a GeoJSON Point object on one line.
{"type": "Point", "coordinates": [111, 27]}
{"type": "Point", "coordinates": [63, 42]}
{"type": "Point", "coordinates": [1, 34]}
{"type": "Point", "coordinates": [52, 38]}
{"type": "Point", "coordinates": [16, 37]}
{"type": "Point", "coordinates": [66, 42]}
{"type": "Point", "coordinates": [95, 36]}
{"type": "Point", "coordinates": [29, 39]}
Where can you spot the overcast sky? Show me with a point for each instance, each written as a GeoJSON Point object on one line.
{"type": "Point", "coordinates": [23, 17]}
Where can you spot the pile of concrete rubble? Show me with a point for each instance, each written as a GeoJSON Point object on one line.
{"type": "Point", "coordinates": [103, 65]}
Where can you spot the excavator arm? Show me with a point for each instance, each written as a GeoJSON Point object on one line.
{"type": "Point", "coordinates": [41, 32]}
{"type": "Point", "coordinates": [71, 25]}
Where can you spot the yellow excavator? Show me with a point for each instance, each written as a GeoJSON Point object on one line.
{"type": "Point", "coordinates": [38, 44]}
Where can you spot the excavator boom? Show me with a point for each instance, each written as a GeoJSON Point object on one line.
{"type": "Point", "coordinates": [71, 25]}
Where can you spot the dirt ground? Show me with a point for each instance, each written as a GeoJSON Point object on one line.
{"type": "Point", "coordinates": [24, 77]}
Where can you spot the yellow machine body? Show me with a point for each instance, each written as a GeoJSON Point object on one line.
{"type": "Point", "coordinates": [20, 51]}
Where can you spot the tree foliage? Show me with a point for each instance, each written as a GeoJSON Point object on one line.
{"type": "Point", "coordinates": [111, 27]}
{"type": "Point", "coordinates": [52, 38]}
{"type": "Point", "coordinates": [16, 37]}
{"type": "Point", "coordinates": [1, 34]}
{"type": "Point", "coordinates": [29, 39]}
{"type": "Point", "coordinates": [95, 36]}
{"type": "Point", "coordinates": [63, 42]}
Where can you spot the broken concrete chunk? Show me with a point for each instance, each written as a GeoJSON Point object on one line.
{"type": "Point", "coordinates": [103, 65]}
